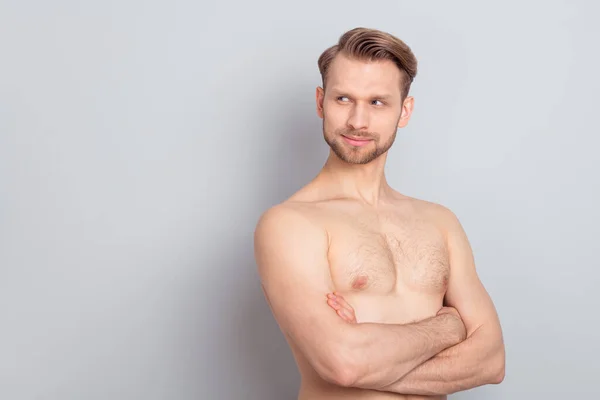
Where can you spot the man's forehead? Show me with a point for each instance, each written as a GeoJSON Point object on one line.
{"type": "Point", "coordinates": [378, 77]}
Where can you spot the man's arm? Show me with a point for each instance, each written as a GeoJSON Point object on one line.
{"type": "Point", "coordinates": [291, 254]}
{"type": "Point", "coordinates": [477, 361]}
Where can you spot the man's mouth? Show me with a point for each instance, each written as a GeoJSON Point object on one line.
{"type": "Point", "coordinates": [354, 141]}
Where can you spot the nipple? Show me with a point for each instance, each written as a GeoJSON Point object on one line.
{"type": "Point", "coordinates": [360, 282]}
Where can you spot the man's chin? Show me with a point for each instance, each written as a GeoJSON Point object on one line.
{"type": "Point", "coordinates": [356, 158]}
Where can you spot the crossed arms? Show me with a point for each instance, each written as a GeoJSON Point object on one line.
{"type": "Point", "coordinates": [439, 355]}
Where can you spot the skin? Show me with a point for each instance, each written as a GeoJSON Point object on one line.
{"type": "Point", "coordinates": [421, 324]}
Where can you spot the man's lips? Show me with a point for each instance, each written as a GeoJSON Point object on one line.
{"type": "Point", "coordinates": [356, 141]}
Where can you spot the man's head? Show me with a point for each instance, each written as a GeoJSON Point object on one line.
{"type": "Point", "coordinates": [364, 99]}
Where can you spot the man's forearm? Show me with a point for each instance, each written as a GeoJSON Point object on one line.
{"type": "Point", "coordinates": [477, 361]}
{"type": "Point", "coordinates": [381, 354]}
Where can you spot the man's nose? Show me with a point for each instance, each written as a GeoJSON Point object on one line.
{"type": "Point", "coordinates": [358, 118]}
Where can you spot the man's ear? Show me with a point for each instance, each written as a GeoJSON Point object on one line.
{"type": "Point", "coordinates": [320, 96]}
{"type": "Point", "coordinates": [407, 109]}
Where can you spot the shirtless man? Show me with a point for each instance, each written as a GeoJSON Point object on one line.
{"type": "Point", "coordinates": [411, 319]}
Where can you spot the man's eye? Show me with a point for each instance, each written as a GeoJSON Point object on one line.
{"type": "Point", "coordinates": [342, 98]}
{"type": "Point", "coordinates": [377, 103]}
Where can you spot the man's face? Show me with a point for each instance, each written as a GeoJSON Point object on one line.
{"type": "Point", "coordinates": [362, 108]}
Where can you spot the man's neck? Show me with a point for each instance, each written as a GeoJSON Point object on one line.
{"type": "Point", "coordinates": [363, 182]}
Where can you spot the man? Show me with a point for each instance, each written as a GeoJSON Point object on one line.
{"type": "Point", "coordinates": [376, 292]}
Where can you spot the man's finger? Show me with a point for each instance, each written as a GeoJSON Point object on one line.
{"type": "Point", "coordinates": [344, 315]}
{"type": "Point", "coordinates": [342, 308]}
{"type": "Point", "coordinates": [343, 302]}
{"type": "Point", "coordinates": [334, 304]}
{"type": "Point", "coordinates": [350, 316]}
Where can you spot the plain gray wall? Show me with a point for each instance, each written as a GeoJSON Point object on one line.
{"type": "Point", "coordinates": [141, 140]}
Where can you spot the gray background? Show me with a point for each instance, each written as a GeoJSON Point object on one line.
{"type": "Point", "coordinates": [141, 140]}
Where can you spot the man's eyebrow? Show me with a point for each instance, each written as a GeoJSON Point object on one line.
{"type": "Point", "coordinates": [375, 96]}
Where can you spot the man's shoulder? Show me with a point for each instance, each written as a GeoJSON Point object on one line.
{"type": "Point", "coordinates": [435, 209]}
{"type": "Point", "coordinates": [287, 237]}
{"type": "Point", "coordinates": [436, 213]}
{"type": "Point", "coordinates": [288, 219]}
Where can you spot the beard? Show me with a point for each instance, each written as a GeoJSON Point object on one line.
{"type": "Point", "coordinates": [354, 154]}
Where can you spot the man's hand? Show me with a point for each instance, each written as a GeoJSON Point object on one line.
{"type": "Point", "coordinates": [341, 307]}
{"type": "Point", "coordinates": [454, 312]}
{"type": "Point", "coordinates": [449, 310]}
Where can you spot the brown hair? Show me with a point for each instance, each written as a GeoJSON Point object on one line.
{"type": "Point", "coordinates": [371, 45]}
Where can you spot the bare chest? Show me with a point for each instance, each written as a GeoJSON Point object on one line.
{"type": "Point", "coordinates": [387, 256]}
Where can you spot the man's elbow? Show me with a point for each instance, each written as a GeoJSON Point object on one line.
{"type": "Point", "coordinates": [338, 370]}
{"type": "Point", "coordinates": [338, 363]}
{"type": "Point", "coordinates": [498, 375]}
{"type": "Point", "coordinates": [497, 368]}
{"type": "Point", "coordinates": [342, 376]}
